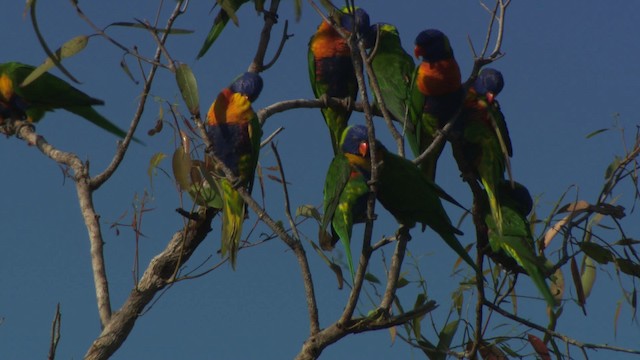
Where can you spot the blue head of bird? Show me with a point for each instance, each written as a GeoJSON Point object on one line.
{"type": "Point", "coordinates": [489, 83]}
{"type": "Point", "coordinates": [432, 45]}
{"type": "Point", "coordinates": [519, 194]}
{"type": "Point", "coordinates": [248, 84]}
{"type": "Point", "coordinates": [358, 21]}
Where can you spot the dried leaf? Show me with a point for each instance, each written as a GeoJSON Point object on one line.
{"type": "Point", "coordinates": [616, 316]}
{"type": "Point", "coordinates": [540, 348]}
{"type": "Point", "coordinates": [393, 331]}
{"type": "Point", "coordinates": [557, 285]}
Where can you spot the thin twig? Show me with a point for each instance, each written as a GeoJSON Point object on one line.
{"type": "Point", "coordinates": [287, 205]}
{"type": "Point", "coordinates": [55, 333]}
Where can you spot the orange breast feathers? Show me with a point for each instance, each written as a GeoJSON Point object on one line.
{"type": "Point", "coordinates": [230, 108]}
{"type": "Point", "coordinates": [328, 43]}
{"type": "Point", "coordinates": [438, 78]}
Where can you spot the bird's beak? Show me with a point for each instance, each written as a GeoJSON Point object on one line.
{"type": "Point", "coordinates": [417, 51]}
{"type": "Point", "coordinates": [490, 97]}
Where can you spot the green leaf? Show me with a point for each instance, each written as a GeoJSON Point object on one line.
{"type": "Point", "coordinates": [590, 135]}
{"type": "Point", "coordinates": [68, 49]}
{"type": "Point", "coordinates": [308, 211]}
{"type": "Point", "coordinates": [596, 252]}
{"type": "Point", "coordinates": [588, 277]}
{"type": "Point", "coordinates": [188, 88]}
{"type": "Point", "coordinates": [612, 167]}
{"type": "Point", "coordinates": [371, 278]}
{"type": "Point", "coordinates": [446, 336]}
{"type": "Point", "coordinates": [127, 71]}
{"type": "Point", "coordinates": [154, 163]}
{"type": "Point", "coordinates": [628, 267]}
{"type": "Point", "coordinates": [31, 6]}
{"type": "Point", "coordinates": [181, 164]}
{"type": "Point", "coordinates": [148, 27]}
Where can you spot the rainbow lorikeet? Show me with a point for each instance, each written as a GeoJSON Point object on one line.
{"type": "Point", "coordinates": [227, 11]}
{"type": "Point", "coordinates": [404, 190]}
{"type": "Point", "coordinates": [436, 94]}
{"type": "Point", "coordinates": [485, 143]}
{"type": "Point", "coordinates": [345, 200]}
{"type": "Point", "coordinates": [234, 132]}
{"type": "Point", "coordinates": [46, 93]}
{"type": "Point", "coordinates": [331, 68]}
{"type": "Point", "coordinates": [393, 68]}
{"type": "Point", "coordinates": [515, 239]}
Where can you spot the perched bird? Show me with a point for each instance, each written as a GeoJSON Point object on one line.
{"type": "Point", "coordinates": [46, 93]}
{"type": "Point", "coordinates": [331, 69]}
{"type": "Point", "coordinates": [486, 146]}
{"type": "Point", "coordinates": [436, 95]}
{"type": "Point", "coordinates": [345, 201]}
{"type": "Point", "coordinates": [234, 132]}
{"type": "Point", "coordinates": [393, 68]}
{"type": "Point", "coordinates": [515, 239]}
{"type": "Point", "coordinates": [227, 11]}
{"type": "Point", "coordinates": [404, 190]}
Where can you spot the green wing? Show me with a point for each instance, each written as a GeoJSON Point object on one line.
{"type": "Point", "coordinates": [345, 202]}
{"type": "Point", "coordinates": [233, 212]}
{"type": "Point", "coordinates": [48, 92]}
{"type": "Point", "coordinates": [411, 197]}
{"type": "Point", "coordinates": [517, 242]}
{"type": "Point", "coordinates": [394, 70]}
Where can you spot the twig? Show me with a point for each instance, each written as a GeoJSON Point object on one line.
{"type": "Point", "coordinates": [287, 205]}
{"type": "Point", "coordinates": [271, 137]}
{"type": "Point", "coordinates": [98, 180]}
{"type": "Point", "coordinates": [270, 19]}
{"type": "Point", "coordinates": [581, 345]}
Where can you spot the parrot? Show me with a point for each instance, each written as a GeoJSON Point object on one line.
{"type": "Point", "coordinates": [393, 68]}
{"type": "Point", "coordinates": [435, 95]}
{"type": "Point", "coordinates": [227, 11]}
{"type": "Point", "coordinates": [46, 93]}
{"type": "Point", "coordinates": [331, 70]}
{"type": "Point", "coordinates": [234, 131]}
{"type": "Point", "coordinates": [345, 201]}
{"type": "Point", "coordinates": [485, 143]}
{"type": "Point", "coordinates": [515, 239]}
{"type": "Point", "coordinates": [404, 190]}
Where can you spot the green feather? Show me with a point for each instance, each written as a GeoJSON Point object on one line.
{"type": "Point", "coordinates": [48, 92]}
{"type": "Point", "coordinates": [516, 241]}
{"type": "Point", "coordinates": [394, 71]}
{"type": "Point", "coordinates": [344, 188]}
{"type": "Point", "coordinates": [405, 191]}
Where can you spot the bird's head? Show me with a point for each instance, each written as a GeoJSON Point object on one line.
{"type": "Point", "coordinates": [519, 194]}
{"type": "Point", "coordinates": [489, 83]}
{"type": "Point", "coordinates": [248, 84]}
{"type": "Point", "coordinates": [432, 45]}
{"type": "Point", "coordinates": [357, 21]}
{"type": "Point", "coordinates": [355, 141]}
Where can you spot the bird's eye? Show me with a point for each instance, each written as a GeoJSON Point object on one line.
{"type": "Point", "coordinates": [363, 149]}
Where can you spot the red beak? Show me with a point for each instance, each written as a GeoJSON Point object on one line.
{"type": "Point", "coordinates": [490, 97]}
{"type": "Point", "coordinates": [417, 51]}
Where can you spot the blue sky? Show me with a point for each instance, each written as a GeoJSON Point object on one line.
{"type": "Point", "coordinates": [568, 68]}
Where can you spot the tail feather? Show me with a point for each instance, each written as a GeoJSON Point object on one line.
{"type": "Point", "coordinates": [233, 211]}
